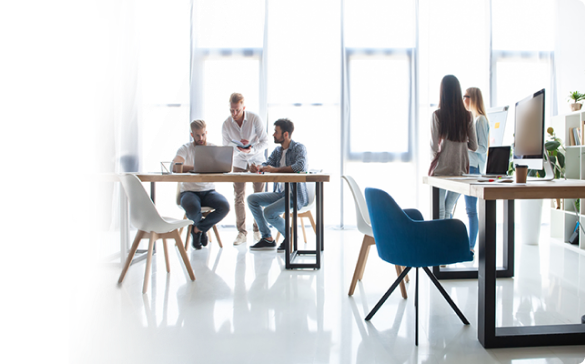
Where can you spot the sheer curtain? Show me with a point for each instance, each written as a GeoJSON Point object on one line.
{"type": "Point", "coordinates": [127, 101]}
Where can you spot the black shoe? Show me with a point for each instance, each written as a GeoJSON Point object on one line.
{"type": "Point", "coordinates": [281, 248]}
{"type": "Point", "coordinates": [204, 239]}
{"type": "Point", "coordinates": [263, 244]}
{"type": "Point", "coordinates": [196, 243]}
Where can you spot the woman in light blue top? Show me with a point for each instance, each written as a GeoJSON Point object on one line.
{"type": "Point", "coordinates": [473, 101]}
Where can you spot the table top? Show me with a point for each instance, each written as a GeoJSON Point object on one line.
{"type": "Point", "coordinates": [233, 177]}
{"type": "Point", "coordinates": [558, 188]}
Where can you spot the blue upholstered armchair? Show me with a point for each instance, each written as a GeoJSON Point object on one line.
{"type": "Point", "coordinates": [404, 238]}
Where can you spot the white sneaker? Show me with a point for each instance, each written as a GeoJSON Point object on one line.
{"type": "Point", "coordinates": [257, 236]}
{"type": "Point", "coordinates": [241, 239]}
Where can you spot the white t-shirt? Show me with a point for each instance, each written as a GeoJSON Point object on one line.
{"type": "Point", "coordinates": [187, 152]}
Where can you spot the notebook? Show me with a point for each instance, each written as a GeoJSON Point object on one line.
{"type": "Point", "coordinates": [212, 159]}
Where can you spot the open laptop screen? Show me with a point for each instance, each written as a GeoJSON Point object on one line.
{"type": "Point", "coordinates": [498, 160]}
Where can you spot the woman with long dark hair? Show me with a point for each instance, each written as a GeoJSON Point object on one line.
{"type": "Point", "coordinates": [452, 135]}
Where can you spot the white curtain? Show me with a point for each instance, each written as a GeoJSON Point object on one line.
{"type": "Point", "coordinates": [127, 101]}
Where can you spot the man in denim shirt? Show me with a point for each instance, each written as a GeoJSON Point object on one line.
{"type": "Point", "coordinates": [289, 157]}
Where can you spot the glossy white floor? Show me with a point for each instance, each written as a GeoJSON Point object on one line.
{"type": "Point", "coordinates": [245, 307]}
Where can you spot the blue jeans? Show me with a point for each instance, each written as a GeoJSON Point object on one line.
{"type": "Point", "coordinates": [273, 203]}
{"type": "Point", "coordinates": [192, 201]}
{"type": "Point", "coordinates": [447, 200]}
{"type": "Point", "coordinates": [471, 208]}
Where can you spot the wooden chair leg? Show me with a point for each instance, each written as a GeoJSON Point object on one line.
{"type": "Point", "coordinates": [187, 237]}
{"type": "Point", "coordinates": [209, 235]}
{"type": "Point", "coordinates": [166, 255]}
{"type": "Point", "coordinates": [406, 279]}
{"type": "Point", "coordinates": [370, 241]}
{"type": "Point", "coordinates": [183, 253]}
{"type": "Point", "coordinates": [148, 261]}
{"type": "Point", "coordinates": [139, 235]}
{"type": "Point", "coordinates": [304, 232]}
{"type": "Point", "coordinates": [361, 263]}
{"type": "Point", "coordinates": [402, 286]}
{"type": "Point", "coordinates": [310, 216]}
{"type": "Point", "coordinates": [217, 236]}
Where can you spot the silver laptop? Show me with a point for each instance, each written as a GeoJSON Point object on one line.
{"type": "Point", "coordinates": [212, 159]}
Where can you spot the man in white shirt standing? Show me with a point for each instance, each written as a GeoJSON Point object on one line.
{"type": "Point", "coordinates": [197, 194]}
{"type": "Point", "coordinates": [248, 129]}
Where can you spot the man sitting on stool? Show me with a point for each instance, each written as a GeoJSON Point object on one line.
{"type": "Point", "coordinates": [289, 157]}
{"type": "Point", "coordinates": [197, 194]}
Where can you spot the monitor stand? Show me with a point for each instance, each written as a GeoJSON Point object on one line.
{"type": "Point", "coordinates": [549, 174]}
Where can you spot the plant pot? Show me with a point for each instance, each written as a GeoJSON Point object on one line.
{"type": "Point", "coordinates": [529, 218]}
{"type": "Point", "coordinates": [576, 106]}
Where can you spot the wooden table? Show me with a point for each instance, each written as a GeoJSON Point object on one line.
{"type": "Point", "coordinates": [489, 335]}
{"type": "Point", "coordinates": [291, 252]}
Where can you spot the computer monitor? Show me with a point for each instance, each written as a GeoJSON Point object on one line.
{"type": "Point", "coordinates": [497, 117]}
{"type": "Point", "coordinates": [529, 131]}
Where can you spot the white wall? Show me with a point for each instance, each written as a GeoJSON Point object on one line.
{"type": "Point", "coordinates": [569, 51]}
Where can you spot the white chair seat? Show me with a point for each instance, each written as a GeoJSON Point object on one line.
{"type": "Point", "coordinates": [146, 219]}
{"type": "Point", "coordinates": [364, 226]}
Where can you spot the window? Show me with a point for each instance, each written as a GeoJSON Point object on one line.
{"type": "Point", "coordinates": [379, 50]}
{"type": "Point", "coordinates": [522, 54]}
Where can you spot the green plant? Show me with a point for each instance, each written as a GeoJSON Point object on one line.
{"type": "Point", "coordinates": [555, 152]}
{"type": "Point", "coordinates": [576, 96]}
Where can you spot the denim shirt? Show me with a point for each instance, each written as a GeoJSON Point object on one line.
{"type": "Point", "coordinates": [296, 158]}
{"type": "Point", "coordinates": [478, 158]}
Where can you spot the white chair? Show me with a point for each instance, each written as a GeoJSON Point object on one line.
{"type": "Point", "coordinates": [205, 210]}
{"type": "Point", "coordinates": [306, 212]}
{"type": "Point", "coordinates": [365, 227]}
{"type": "Point", "coordinates": [146, 219]}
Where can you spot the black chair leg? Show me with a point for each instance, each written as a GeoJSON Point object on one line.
{"type": "Point", "coordinates": [444, 293]}
{"type": "Point", "coordinates": [388, 293]}
{"type": "Point", "coordinates": [416, 310]}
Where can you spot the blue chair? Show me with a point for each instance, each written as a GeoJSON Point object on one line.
{"type": "Point", "coordinates": [404, 238]}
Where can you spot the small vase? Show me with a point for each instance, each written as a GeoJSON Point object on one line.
{"type": "Point", "coordinates": [576, 106]}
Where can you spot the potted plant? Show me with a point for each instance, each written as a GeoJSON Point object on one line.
{"type": "Point", "coordinates": [576, 96]}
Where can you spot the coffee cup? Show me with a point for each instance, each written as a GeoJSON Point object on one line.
{"type": "Point", "coordinates": [521, 173]}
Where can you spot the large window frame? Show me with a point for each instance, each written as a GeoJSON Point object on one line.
{"type": "Point", "coordinates": [383, 157]}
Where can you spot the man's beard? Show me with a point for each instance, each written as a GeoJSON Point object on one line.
{"type": "Point", "coordinates": [278, 141]}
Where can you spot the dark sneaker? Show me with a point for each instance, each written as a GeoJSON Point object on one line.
{"type": "Point", "coordinates": [263, 244]}
{"type": "Point", "coordinates": [196, 243]}
{"type": "Point", "coordinates": [204, 238]}
{"type": "Point", "coordinates": [281, 248]}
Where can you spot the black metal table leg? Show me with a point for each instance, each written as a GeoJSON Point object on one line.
{"type": "Point", "coordinates": [291, 256]}
{"type": "Point", "coordinates": [491, 336]}
{"type": "Point", "coordinates": [507, 271]}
